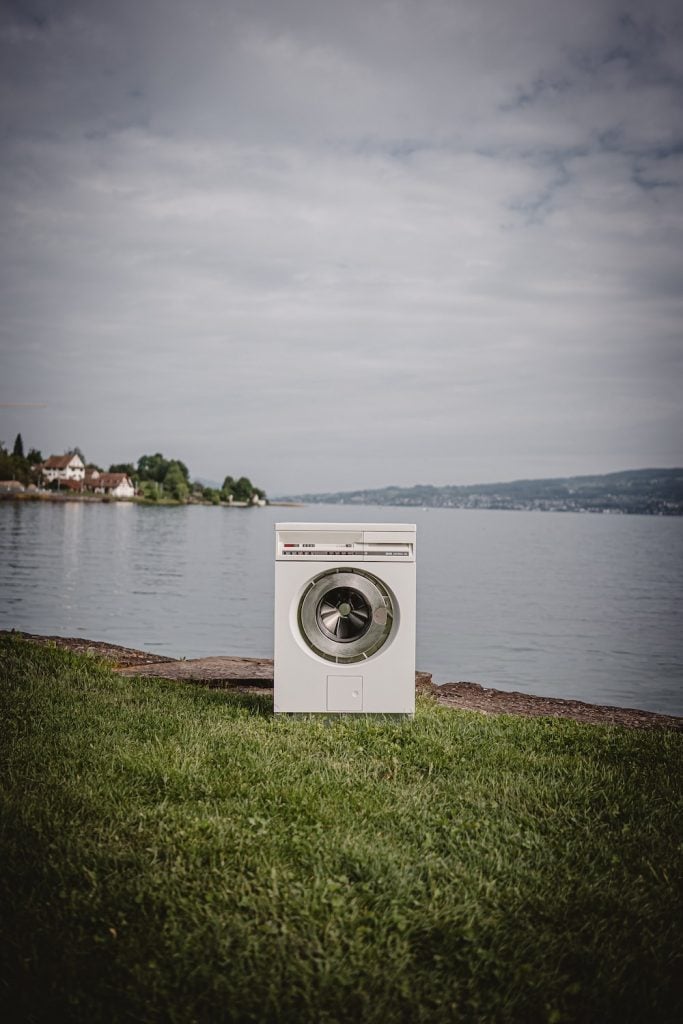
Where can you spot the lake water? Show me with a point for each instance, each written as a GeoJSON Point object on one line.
{"type": "Point", "coordinates": [556, 604]}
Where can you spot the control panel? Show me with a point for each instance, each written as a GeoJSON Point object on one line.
{"type": "Point", "coordinates": [338, 545]}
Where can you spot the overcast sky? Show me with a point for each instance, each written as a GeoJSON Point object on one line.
{"type": "Point", "coordinates": [332, 245]}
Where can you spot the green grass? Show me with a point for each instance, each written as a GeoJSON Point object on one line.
{"type": "Point", "coordinates": [172, 853]}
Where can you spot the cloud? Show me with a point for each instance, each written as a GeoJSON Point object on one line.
{"type": "Point", "coordinates": [346, 246]}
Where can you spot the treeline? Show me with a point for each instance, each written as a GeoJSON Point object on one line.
{"type": "Point", "coordinates": [155, 477]}
{"type": "Point", "coordinates": [635, 491]}
{"type": "Point", "coordinates": [16, 465]}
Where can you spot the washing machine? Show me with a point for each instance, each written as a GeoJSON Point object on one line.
{"type": "Point", "coordinates": [345, 618]}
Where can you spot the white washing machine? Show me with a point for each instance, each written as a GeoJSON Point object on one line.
{"type": "Point", "coordinates": [345, 618]}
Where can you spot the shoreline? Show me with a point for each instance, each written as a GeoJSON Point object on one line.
{"type": "Point", "coordinates": [254, 675]}
{"type": "Point", "coordinates": [59, 497]}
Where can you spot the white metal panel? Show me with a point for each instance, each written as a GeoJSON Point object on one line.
{"type": "Point", "coordinates": [320, 536]}
{"type": "Point", "coordinates": [345, 527]}
{"type": "Point", "coordinates": [345, 693]}
{"type": "Point", "coordinates": [404, 534]}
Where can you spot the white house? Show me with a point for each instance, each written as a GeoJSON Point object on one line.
{"type": "Point", "coordinates": [118, 485]}
{"type": "Point", "coordinates": [63, 467]}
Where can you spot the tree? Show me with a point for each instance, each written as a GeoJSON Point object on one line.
{"type": "Point", "coordinates": [211, 494]}
{"type": "Point", "coordinates": [6, 464]}
{"type": "Point", "coordinates": [76, 451]}
{"type": "Point", "coordinates": [240, 490]}
{"type": "Point", "coordinates": [35, 457]}
{"type": "Point", "coordinates": [152, 467]}
{"type": "Point", "coordinates": [176, 483]}
{"type": "Point", "coordinates": [123, 467]}
{"type": "Point", "coordinates": [150, 490]}
{"type": "Point", "coordinates": [14, 467]}
{"type": "Point", "coordinates": [18, 449]}
{"type": "Point", "coordinates": [243, 489]}
{"type": "Point", "coordinates": [156, 467]}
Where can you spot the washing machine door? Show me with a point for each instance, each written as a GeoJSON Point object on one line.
{"type": "Point", "coordinates": [346, 615]}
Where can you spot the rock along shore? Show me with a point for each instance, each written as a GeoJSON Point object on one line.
{"type": "Point", "coordinates": [255, 675]}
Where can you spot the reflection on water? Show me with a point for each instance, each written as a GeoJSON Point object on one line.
{"type": "Point", "coordinates": [581, 606]}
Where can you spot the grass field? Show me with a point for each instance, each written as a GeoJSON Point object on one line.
{"type": "Point", "coordinates": [170, 853]}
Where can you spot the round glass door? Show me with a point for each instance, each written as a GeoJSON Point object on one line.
{"type": "Point", "coordinates": [346, 615]}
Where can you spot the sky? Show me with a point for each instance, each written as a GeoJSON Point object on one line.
{"type": "Point", "coordinates": [340, 245]}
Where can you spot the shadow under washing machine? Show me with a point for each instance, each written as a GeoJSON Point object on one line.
{"type": "Point", "coordinates": [345, 618]}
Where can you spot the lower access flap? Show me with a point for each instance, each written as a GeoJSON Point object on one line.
{"type": "Point", "coordinates": [344, 693]}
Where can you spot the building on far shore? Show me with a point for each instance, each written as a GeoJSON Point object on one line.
{"type": "Point", "coordinates": [63, 468]}
{"type": "Point", "coordinates": [72, 475]}
{"type": "Point", "coordinates": [91, 477]}
{"type": "Point", "coordinates": [117, 485]}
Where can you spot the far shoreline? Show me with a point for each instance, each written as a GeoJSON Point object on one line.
{"type": "Point", "coordinates": [60, 497]}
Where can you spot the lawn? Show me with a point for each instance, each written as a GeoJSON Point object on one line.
{"type": "Point", "coordinates": [173, 853]}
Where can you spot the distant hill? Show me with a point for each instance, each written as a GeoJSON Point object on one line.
{"type": "Point", "coordinates": [634, 491]}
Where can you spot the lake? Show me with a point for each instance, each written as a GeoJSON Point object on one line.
{"type": "Point", "coordinates": [556, 604]}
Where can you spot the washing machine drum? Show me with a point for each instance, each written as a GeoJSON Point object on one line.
{"type": "Point", "coordinates": [346, 615]}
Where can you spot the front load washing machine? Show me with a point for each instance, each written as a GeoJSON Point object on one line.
{"type": "Point", "coordinates": [345, 617]}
